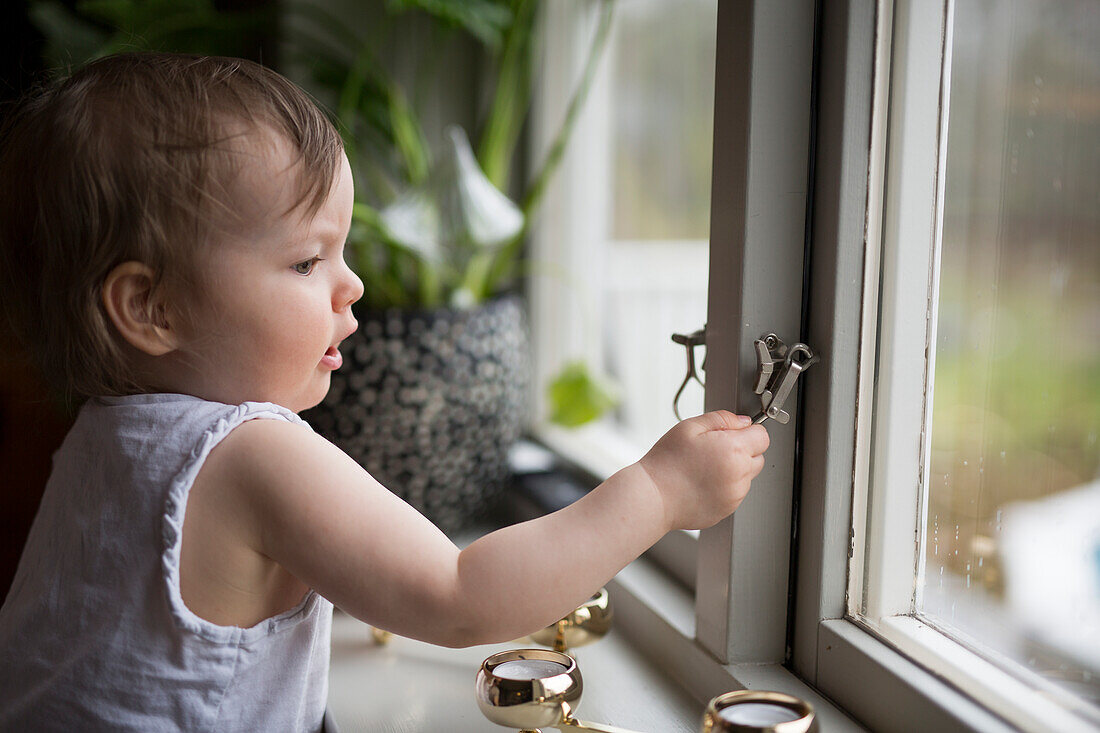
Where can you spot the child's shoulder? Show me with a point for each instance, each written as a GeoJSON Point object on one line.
{"type": "Point", "coordinates": [267, 432]}
{"type": "Point", "coordinates": [274, 489]}
{"type": "Point", "coordinates": [269, 450]}
{"type": "Point", "coordinates": [227, 576]}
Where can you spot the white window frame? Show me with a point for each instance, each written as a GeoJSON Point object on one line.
{"type": "Point", "coordinates": [737, 631]}
{"type": "Point", "coordinates": [867, 676]}
{"type": "Point", "coordinates": [896, 379]}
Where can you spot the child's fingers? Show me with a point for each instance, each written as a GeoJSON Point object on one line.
{"type": "Point", "coordinates": [756, 465]}
{"type": "Point", "coordinates": [755, 439]}
{"type": "Point", "coordinates": [723, 420]}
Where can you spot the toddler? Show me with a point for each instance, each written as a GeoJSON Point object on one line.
{"type": "Point", "coordinates": [172, 247]}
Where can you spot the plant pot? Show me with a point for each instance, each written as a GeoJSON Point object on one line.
{"type": "Point", "coordinates": [429, 402]}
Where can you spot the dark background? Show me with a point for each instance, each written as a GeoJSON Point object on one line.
{"type": "Point", "coordinates": [33, 422]}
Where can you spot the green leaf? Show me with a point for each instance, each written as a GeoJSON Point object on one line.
{"type": "Point", "coordinates": [408, 137]}
{"type": "Point", "coordinates": [485, 20]}
{"type": "Point", "coordinates": [511, 98]}
{"type": "Point", "coordinates": [576, 102]}
{"type": "Point", "coordinates": [505, 263]}
{"type": "Point", "coordinates": [302, 13]}
{"type": "Point", "coordinates": [378, 118]}
{"type": "Point", "coordinates": [576, 396]}
{"type": "Point", "coordinates": [474, 279]}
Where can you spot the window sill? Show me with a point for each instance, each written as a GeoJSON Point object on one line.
{"type": "Point", "coordinates": [407, 685]}
{"type": "Point", "coordinates": [882, 687]}
{"type": "Point", "coordinates": [647, 674]}
{"type": "Point", "coordinates": [656, 616]}
{"type": "Point", "coordinates": [590, 454]}
{"type": "Point", "coordinates": [596, 449]}
{"type": "Point", "coordinates": [1032, 707]}
{"type": "Point", "coordinates": [410, 685]}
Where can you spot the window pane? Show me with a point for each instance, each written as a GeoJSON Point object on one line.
{"type": "Point", "coordinates": [1012, 531]}
{"type": "Point", "coordinates": [663, 107]}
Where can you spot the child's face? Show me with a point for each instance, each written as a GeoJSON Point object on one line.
{"type": "Point", "coordinates": [274, 297]}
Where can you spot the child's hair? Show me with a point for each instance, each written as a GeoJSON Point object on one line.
{"type": "Point", "coordinates": [130, 158]}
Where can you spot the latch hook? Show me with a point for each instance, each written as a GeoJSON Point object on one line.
{"type": "Point", "coordinates": [689, 341]}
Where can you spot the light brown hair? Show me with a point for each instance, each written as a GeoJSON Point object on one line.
{"type": "Point", "coordinates": [129, 158]}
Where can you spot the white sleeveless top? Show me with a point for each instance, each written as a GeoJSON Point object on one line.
{"type": "Point", "coordinates": [94, 634]}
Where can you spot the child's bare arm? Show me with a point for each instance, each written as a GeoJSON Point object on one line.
{"type": "Point", "coordinates": [325, 520]}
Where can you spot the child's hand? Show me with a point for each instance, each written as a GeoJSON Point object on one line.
{"type": "Point", "coordinates": [702, 467]}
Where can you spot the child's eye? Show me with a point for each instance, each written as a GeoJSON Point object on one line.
{"type": "Point", "coordinates": [305, 267]}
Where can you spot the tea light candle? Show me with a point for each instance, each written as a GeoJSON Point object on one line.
{"type": "Point", "coordinates": [529, 669]}
{"type": "Point", "coordinates": [760, 714]}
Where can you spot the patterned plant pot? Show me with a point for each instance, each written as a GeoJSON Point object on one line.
{"type": "Point", "coordinates": [429, 402]}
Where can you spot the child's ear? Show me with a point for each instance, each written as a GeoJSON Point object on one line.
{"type": "Point", "coordinates": [132, 305]}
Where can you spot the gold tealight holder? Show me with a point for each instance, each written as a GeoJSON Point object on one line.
{"type": "Point", "coordinates": [758, 711]}
{"type": "Point", "coordinates": [529, 689]}
{"type": "Point", "coordinates": [588, 623]}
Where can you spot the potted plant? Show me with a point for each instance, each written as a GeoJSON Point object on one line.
{"type": "Point", "coordinates": [434, 387]}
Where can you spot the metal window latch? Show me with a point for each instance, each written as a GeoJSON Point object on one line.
{"type": "Point", "coordinates": [778, 368]}
{"type": "Point", "coordinates": [689, 341]}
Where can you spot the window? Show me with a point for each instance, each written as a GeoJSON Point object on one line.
{"type": "Point", "coordinates": [665, 278]}
{"type": "Point", "coordinates": [976, 448]}
{"type": "Point", "coordinates": [1019, 267]}
{"type": "Point", "coordinates": [913, 192]}
{"type": "Point", "coordinates": [622, 261]}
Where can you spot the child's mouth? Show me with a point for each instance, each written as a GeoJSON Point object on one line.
{"type": "Point", "coordinates": [332, 358]}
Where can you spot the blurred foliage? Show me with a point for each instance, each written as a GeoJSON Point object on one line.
{"type": "Point", "coordinates": [577, 396]}
{"type": "Point", "coordinates": [1015, 414]}
{"type": "Point", "coordinates": [96, 28]}
{"type": "Point", "coordinates": [376, 115]}
{"type": "Point", "coordinates": [379, 123]}
{"type": "Point", "coordinates": [390, 155]}
{"type": "Point", "coordinates": [1016, 406]}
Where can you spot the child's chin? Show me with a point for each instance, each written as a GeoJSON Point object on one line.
{"type": "Point", "coordinates": [312, 400]}
{"type": "Point", "coordinates": [307, 406]}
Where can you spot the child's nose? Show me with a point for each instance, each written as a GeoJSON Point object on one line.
{"type": "Point", "coordinates": [350, 290]}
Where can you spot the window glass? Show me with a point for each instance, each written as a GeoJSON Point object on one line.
{"type": "Point", "coordinates": [1011, 551]}
{"type": "Point", "coordinates": [661, 108]}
